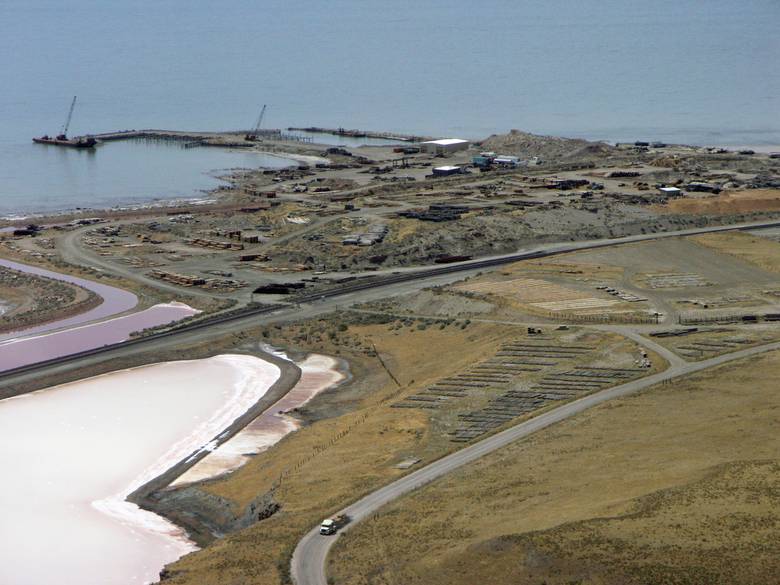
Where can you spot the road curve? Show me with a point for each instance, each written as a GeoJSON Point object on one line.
{"type": "Point", "coordinates": [309, 558]}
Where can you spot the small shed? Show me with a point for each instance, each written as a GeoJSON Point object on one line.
{"type": "Point", "coordinates": [670, 191]}
{"type": "Point", "coordinates": [444, 145]}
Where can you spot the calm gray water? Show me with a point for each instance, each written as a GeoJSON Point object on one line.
{"type": "Point", "coordinates": [673, 70]}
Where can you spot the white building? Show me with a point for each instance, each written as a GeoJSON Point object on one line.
{"type": "Point", "coordinates": [446, 171]}
{"type": "Point", "coordinates": [444, 145]}
{"type": "Point", "coordinates": [670, 191]}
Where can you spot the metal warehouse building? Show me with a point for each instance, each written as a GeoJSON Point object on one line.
{"type": "Point", "coordinates": [444, 145]}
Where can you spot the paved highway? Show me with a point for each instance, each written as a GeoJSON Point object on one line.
{"type": "Point", "coordinates": [309, 558]}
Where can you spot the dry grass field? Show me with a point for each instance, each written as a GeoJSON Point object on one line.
{"type": "Point", "coordinates": [726, 203]}
{"type": "Point", "coordinates": [558, 289]}
{"type": "Point", "coordinates": [540, 293]}
{"type": "Point", "coordinates": [677, 485]}
{"type": "Point", "coordinates": [327, 464]}
{"type": "Point", "coordinates": [762, 252]}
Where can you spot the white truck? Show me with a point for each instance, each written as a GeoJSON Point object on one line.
{"type": "Point", "coordinates": [331, 525]}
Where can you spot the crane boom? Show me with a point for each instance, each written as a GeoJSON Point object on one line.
{"type": "Point", "coordinates": [253, 134]}
{"type": "Point", "coordinates": [70, 116]}
{"type": "Point", "coordinates": [260, 120]}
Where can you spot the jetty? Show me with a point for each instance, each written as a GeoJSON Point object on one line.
{"type": "Point", "coordinates": [360, 134]}
{"type": "Point", "coordinates": [224, 138]}
{"type": "Point", "coordinates": [237, 138]}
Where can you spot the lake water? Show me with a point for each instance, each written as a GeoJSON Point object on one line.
{"type": "Point", "coordinates": [672, 70]}
{"type": "Point", "coordinates": [71, 454]}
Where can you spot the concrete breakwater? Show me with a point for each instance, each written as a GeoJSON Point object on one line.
{"type": "Point", "coordinates": [235, 138]}
{"type": "Point", "coordinates": [165, 134]}
{"type": "Point", "coordinates": [360, 133]}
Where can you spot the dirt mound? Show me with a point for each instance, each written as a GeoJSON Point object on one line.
{"type": "Point", "coordinates": [666, 161]}
{"type": "Point", "coordinates": [546, 147]}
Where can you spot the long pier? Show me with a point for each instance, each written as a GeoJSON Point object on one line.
{"type": "Point", "coordinates": [360, 134]}
{"type": "Point", "coordinates": [235, 138]}
{"type": "Point", "coordinates": [186, 136]}
{"type": "Point", "coordinates": [224, 138]}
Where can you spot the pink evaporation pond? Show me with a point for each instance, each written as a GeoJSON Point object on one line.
{"type": "Point", "coordinates": [318, 373]}
{"type": "Point", "coordinates": [28, 350]}
{"type": "Point", "coordinates": [115, 300]}
{"type": "Point", "coordinates": [72, 453]}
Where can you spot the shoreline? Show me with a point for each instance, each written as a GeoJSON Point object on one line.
{"type": "Point", "coordinates": [146, 496]}
{"type": "Point", "coordinates": [274, 424]}
{"type": "Point", "coordinates": [225, 140]}
{"type": "Point", "coordinates": [119, 507]}
{"type": "Point", "coordinates": [199, 197]}
{"type": "Point", "coordinates": [135, 505]}
{"type": "Point", "coordinates": [248, 375]}
{"type": "Point", "coordinates": [112, 302]}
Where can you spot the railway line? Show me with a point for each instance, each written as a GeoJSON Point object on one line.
{"type": "Point", "coordinates": [245, 315]}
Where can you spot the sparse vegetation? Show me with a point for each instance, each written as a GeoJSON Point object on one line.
{"type": "Point", "coordinates": [644, 506]}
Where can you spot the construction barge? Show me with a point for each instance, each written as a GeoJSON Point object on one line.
{"type": "Point", "coordinates": [62, 138]}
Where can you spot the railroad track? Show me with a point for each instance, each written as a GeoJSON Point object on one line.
{"type": "Point", "coordinates": [379, 282]}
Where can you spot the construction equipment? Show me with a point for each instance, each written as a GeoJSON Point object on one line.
{"type": "Point", "coordinates": [62, 138]}
{"type": "Point", "coordinates": [254, 134]}
{"type": "Point", "coordinates": [64, 133]}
